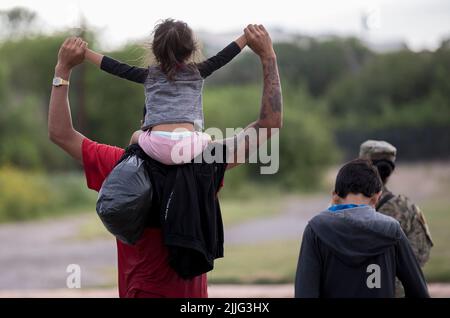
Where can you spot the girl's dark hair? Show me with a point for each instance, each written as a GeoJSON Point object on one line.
{"type": "Point", "coordinates": [385, 168]}
{"type": "Point", "coordinates": [358, 176]}
{"type": "Point", "coordinates": [173, 44]}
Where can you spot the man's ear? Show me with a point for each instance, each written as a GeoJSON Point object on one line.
{"type": "Point", "coordinates": [335, 199]}
{"type": "Point", "coordinates": [374, 199]}
{"type": "Point", "coordinates": [135, 137]}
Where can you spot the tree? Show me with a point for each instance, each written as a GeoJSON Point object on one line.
{"type": "Point", "coordinates": [17, 22]}
{"type": "Point", "coordinates": [316, 63]}
{"type": "Point", "coordinates": [392, 80]}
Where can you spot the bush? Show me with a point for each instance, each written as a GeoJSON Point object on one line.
{"type": "Point", "coordinates": [27, 195]}
{"type": "Point", "coordinates": [306, 141]}
{"type": "Point", "coordinates": [22, 194]}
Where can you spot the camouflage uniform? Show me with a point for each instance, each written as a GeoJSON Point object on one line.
{"type": "Point", "coordinates": [413, 224]}
{"type": "Point", "coordinates": [401, 208]}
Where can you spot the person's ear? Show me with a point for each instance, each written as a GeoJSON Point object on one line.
{"type": "Point", "coordinates": [335, 199]}
{"type": "Point", "coordinates": [135, 137]}
{"type": "Point", "coordinates": [374, 199]}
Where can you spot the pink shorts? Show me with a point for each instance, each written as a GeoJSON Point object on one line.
{"type": "Point", "coordinates": [172, 148]}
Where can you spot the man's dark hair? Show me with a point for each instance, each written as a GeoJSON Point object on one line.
{"type": "Point", "coordinates": [358, 176]}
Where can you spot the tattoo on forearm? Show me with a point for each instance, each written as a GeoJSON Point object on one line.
{"type": "Point", "coordinates": [272, 97]}
{"type": "Point", "coordinates": [270, 113]}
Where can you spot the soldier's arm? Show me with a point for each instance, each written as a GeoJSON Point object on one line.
{"type": "Point", "coordinates": [413, 225]}
{"type": "Point", "coordinates": [419, 236]}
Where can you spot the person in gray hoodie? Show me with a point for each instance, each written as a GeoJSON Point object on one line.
{"type": "Point", "coordinates": [352, 251]}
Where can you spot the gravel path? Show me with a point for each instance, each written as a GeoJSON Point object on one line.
{"type": "Point", "coordinates": [284, 226]}
{"type": "Point", "coordinates": [35, 255]}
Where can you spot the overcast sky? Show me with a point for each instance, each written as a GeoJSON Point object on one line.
{"type": "Point", "coordinates": [420, 23]}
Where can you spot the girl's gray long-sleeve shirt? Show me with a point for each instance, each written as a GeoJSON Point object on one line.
{"type": "Point", "coordinates": [177, 101]}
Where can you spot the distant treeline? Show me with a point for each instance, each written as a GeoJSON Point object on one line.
{"type": "Point", "coordinates": [402, 96]}
{"type": "Point", "coordinates": [337, 92]}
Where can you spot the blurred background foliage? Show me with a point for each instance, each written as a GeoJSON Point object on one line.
{"type": "Point", "coordinates": [337, 93]}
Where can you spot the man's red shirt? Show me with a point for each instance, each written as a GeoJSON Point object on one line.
{"type": "Point", "coordinates": [143, 268]}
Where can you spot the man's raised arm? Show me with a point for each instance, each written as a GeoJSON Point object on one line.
{"type": "Point", "coordinates": [271, 111]}
{"type": "Point", "coordinates": [60, 127]}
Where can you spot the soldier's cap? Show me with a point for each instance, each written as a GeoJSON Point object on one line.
{"type": "Point", "coordinates": [377, 150]}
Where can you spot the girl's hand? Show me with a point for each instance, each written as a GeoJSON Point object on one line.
{"type": "Point", "coordinates": [94, 57]}
{"type": "Point", "coordinates": [241, 41]}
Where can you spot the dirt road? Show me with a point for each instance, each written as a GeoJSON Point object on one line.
{"type": "Point", "coordinates": [35, 255]}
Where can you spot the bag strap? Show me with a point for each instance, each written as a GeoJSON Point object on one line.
{"type": "Point", "coordinates": [384, 200]}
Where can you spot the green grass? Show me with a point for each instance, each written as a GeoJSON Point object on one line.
{"type": "Point", "coordinates": [92, 229]}
{"type": "Point", "coordinates": [238, 210]}
{"type": "Point", "coordinates": [268, 263]}
{"type": "Point", "coordinates": [437, 214]}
